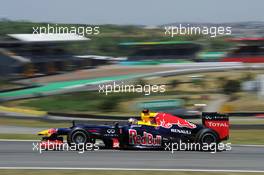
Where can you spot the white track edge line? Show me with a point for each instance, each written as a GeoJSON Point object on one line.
{"type": "Point", "coordinates": [132, 169]}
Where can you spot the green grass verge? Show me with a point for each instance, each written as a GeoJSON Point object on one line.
{"type": "Point", "coordinates": [248, 122]}
{"type": "Point", "coordinates": [86, 172]}
{"type": "Point", "coordinates": [246, 137]}
{"type": "Point", "coordinates": [86, 103]}
{"type": "Point", "coordinates": [33, 123]}
{"type": "Point", "coordinates": [81, 102]}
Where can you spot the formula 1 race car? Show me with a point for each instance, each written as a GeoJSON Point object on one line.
{"type": "Point", "coordinates": [161, 128]}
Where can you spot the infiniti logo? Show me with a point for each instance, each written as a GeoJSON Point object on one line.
{"type": "Point", "coordinates": [111, 131]}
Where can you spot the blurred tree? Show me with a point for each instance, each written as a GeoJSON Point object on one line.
{"type": "Point", "coordinates": [110, 103]}
{"type": "Point", "coordinates": [174, 83]}
{"type": "Point", "coordinates": [247, 76]}
{"type": "Point", "coordinates": [110, 36]}
{"type": "Point", "coordinates": [220, 81]}
{"type": "Point", "coordinates": [231, 86]}
{"type": "Point", "coordinates": [141, 82]}
{"type": "Point", "coordinates": [199, 81]}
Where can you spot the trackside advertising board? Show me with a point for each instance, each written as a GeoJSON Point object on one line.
{"type": "Point", "coordinates": [161, 104]}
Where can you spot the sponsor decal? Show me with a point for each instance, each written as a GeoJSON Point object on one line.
{"type": "Point", "coordinates": [220, 126]}
{"type": "Point", "coordinates": [167, 121]}
{"type": "Point", "coordinates": [216, 117]}
{"type": "Point", "coordinates": [181, 131]}
{"type": "Point", "coordinates": [116, 143]}
{"type": "Point", "coordinates": [181, 124]}
{"type": "Point", "coordinates": [110, 131]}
{"type": "Point", "coordinates": [214, 124]}
{"type": "Point", "coordinates": [147, 139]}
{"type": "Point", "coordinates": [52, 131]}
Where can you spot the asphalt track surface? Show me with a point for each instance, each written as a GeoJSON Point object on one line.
{"type": "Point", "coordinates": [240, 158]}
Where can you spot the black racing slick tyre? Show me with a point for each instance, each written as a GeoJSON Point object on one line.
{"type": "Point", "coordinates": [208, 139]}
{"type": "Point", "coordinates": [78, 137]}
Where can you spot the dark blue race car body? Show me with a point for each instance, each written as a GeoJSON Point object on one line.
{"type": "Point", "coordinates": [215, 128]}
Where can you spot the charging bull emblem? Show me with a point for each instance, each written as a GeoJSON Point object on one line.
{"type": "Point", "coordinates": [167, 121]}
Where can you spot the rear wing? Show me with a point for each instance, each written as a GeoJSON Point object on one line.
{"type": "Point", "coordinates": [217, 122]}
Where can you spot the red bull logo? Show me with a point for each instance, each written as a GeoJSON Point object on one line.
{"type": "Point", "coordinates": [52, 131]}
{"type": "Point", "coordinates": [167, 121]}
{"type": "Point", "coordinates": [146, 139]}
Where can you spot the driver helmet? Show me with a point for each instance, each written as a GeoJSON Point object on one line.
{"type": "Point", "coordinates": [145, 111]}
{"type": "Point", "coordinates": [132, 121]}
{"type": "Point", "coordinates": [145, 116]}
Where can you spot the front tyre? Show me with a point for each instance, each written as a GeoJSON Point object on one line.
{"type": "Point", "coordinates": [78, 137]}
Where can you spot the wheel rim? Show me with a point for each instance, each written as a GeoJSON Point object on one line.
{"type": "Point", "coordinates": [79, 138]}
{"type": "Point", "coordinates": [208, 138]}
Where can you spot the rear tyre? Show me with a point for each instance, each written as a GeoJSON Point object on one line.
{"type": "Point", "coordinates": [208, 140]}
